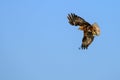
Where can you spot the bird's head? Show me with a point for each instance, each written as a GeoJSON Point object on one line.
{"type": "Point", "coordinates": [96, 29]}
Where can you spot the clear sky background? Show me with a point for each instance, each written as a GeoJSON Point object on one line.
{"type": "Point", "coordinates": [38, 43]}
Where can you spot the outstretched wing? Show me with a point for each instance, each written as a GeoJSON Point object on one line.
{"type": "Point", "coordinates": [76, 20]}
{"type": "Point", "coordinates": [87, 39]}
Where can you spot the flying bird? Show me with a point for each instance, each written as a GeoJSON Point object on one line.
{"type": "Point", "coordinates": [89, 30]}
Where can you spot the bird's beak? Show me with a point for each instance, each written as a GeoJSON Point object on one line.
{"type": "Point", "coordinates": [96, 33]}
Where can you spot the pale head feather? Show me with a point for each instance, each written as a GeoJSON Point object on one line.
{"type": "Point", "coordinates": [96, 28]}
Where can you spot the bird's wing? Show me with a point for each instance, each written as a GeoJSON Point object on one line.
{"type": "Point", "coordinates": [87, 39]}
{"type": "Point", "coordinates": [76, 20]}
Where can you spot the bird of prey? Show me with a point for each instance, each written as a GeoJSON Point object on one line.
{"type": "Point", "coordinates": [89, 30]}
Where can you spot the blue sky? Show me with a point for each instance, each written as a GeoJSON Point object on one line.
{"type": "Point", "coordinates": [38, 43]}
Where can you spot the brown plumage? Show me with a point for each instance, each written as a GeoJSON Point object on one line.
{"type": "Point", "coordinates": [89, 30]}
